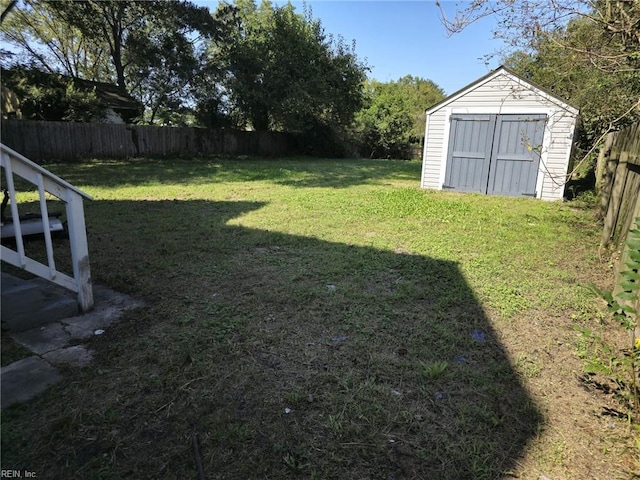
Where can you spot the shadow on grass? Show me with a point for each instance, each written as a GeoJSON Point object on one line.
{"type": "Point", "coordinates": [287, 356]}
{"type": "Point", "coordinates": [300, 172]}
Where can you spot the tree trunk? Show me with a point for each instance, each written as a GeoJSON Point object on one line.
{"type": "Point", "coordinates": [260, 118]}
{"type": "Point", "coordinates": [115, 14]}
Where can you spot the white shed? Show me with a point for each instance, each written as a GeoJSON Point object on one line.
{"type": "Point", "coordinates": [499, 135]}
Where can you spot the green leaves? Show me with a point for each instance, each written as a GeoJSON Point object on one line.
{"type": "Point", "coordinates": [634, 255]}
{"type": "Point", "coordinates": [394, 115]}
{"type": "Point", "coordinates": [629, 283]}
{"type": "Point", "coordinates": [630, 274]}
{"type": "Point", "coordinates": [150, 49]}
{"type": "Point", "coordinates": [284, 73]}
{"type": "Point", "coordinates": [583, 63]}
{"type": "Point", "coordinates": [53, 97]}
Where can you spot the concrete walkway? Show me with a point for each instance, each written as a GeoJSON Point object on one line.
{"type": "Point", "coordinates": [59, 343]}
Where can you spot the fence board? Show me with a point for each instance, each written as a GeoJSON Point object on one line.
{"type": "Point", "coordinates": [619, 170]}
{"type": "Point", "coordinates": [47, 141]}
{"type": "Point", "coordinates": [618, 181]}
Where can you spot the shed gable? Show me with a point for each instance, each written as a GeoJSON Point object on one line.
{"type": "Point", "coordinates": [502, 87]}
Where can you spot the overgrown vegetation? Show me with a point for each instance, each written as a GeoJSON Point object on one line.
{"type": "Point", "coordinates": [620, 365]}
{"type": "Point", "coordinates": [52, 97]}
{"type": "Point", "coordinates": [393, 118]}
{"type": "Point", "coordinates": [326, 319]}
{"type": "Point", "coordinates": [607, 99]}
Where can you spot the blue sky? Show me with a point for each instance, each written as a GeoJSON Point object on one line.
{"type": "Point", "coordinates": [399, 38]}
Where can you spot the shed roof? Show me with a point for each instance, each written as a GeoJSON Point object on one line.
{"type": "Point", "coordinates": [495, 73]}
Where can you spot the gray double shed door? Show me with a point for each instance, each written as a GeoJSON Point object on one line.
{"type": "Point", "coordinates": [494, 154]}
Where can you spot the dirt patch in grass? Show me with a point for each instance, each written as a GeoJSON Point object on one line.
{"type": "Point", "coordinates": [301, 330]}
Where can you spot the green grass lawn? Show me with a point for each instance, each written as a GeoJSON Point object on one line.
{"type": "Point", "coordinates": [322, 319]}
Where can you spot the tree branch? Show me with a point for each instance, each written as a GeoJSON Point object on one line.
{"type": "Point", "coordinates": [596, 144]}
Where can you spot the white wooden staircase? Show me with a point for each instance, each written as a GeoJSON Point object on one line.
{"type": "Point", "coordinates": [79, 280]}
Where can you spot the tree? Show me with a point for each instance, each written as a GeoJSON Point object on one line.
{"type": "Point", "coordinates": [607, 99]}
{"type": "Point", "coordinates": [385, 124]}
{"type": "Point", "coordinates": [46, 43]}
{"type": "Point", "coordinates": [282, 72]}
{"type": "Point", "coordinates": [419, 95]}
{"type": "Point", "coordinates": [154, 47]}
{"type": "Point", "coordinates": [243, 61]}
{"type": "Point", "coordinates": [585, 51]}
{"type": "Point", "coordinates": [394, 117]}
{"type": "Point", "coordinates": [522, 23]}
{"type": "Point", "coordinates": [214, 106]}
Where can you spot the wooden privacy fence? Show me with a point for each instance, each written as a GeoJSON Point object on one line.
{"type": "Point", "coordinates": [44, 141]}
{"type": "Point", "coordinates": [618, 174]}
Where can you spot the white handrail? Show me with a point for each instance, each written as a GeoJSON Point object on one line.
{"type": "Point", "coordinates": [80, 283]}
{"type": "Point", "coordinates": [45, 173]}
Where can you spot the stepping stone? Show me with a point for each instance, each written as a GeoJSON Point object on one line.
{"type": "Point", "coordinates": [25, 379]}
{"type": "Point", "coordinates": [76, 356]}
{"type": "Point", "coordinates": [27, 304]}
{"type": "Point", "coordinates": [43, 339]}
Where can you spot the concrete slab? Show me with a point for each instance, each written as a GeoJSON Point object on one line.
{"type": "Point", "coordinates": [25, 379]}
{"type": "Point", "coordinates": [77, 356]}
{"type": "Point", "coordinates": [27, 304]}
{"type": "Point", "coordinates": [108, 307]}
{"type": "Point", "coordinates": [43, 339]}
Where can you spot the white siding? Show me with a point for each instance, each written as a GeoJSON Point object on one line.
{"type": "Point", "coordinates": [555, 156]}
{"type": "Point", "coordinates": [434, 141]}
{"type": "Point", "coordinates": [503, 93]}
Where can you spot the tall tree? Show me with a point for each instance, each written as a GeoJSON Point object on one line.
{"type": "Point", "coordinates": [521, 23]}
{"type": "Point", "coordinates": [596, 38]}
{"type": "Point", "coordinates": [109, 22]}
{"type": "Point", "coordinates": [153, 47]}
{"type": "Point", "coordinates": [385, 124]}
{"type": "Point", "coordinates": [419, 95]}
{"type": "Point", "coordinates": [51, 45]}
{"type": "Point", "coordinates": [606, 98]}
{"type": "Point", "coordinates": [283, 72]}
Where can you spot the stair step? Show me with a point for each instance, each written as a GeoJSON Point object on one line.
{"type": "Point", "coordinates": [28, 304]}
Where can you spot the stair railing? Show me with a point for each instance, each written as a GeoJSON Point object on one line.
{"type": "Point", "coordinates": [15, 164]}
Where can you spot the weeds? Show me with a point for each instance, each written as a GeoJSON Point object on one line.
{"type": "Point", "coordinates": [434, 371]}
{"type": "Point", "coordinates": [603, 358]}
